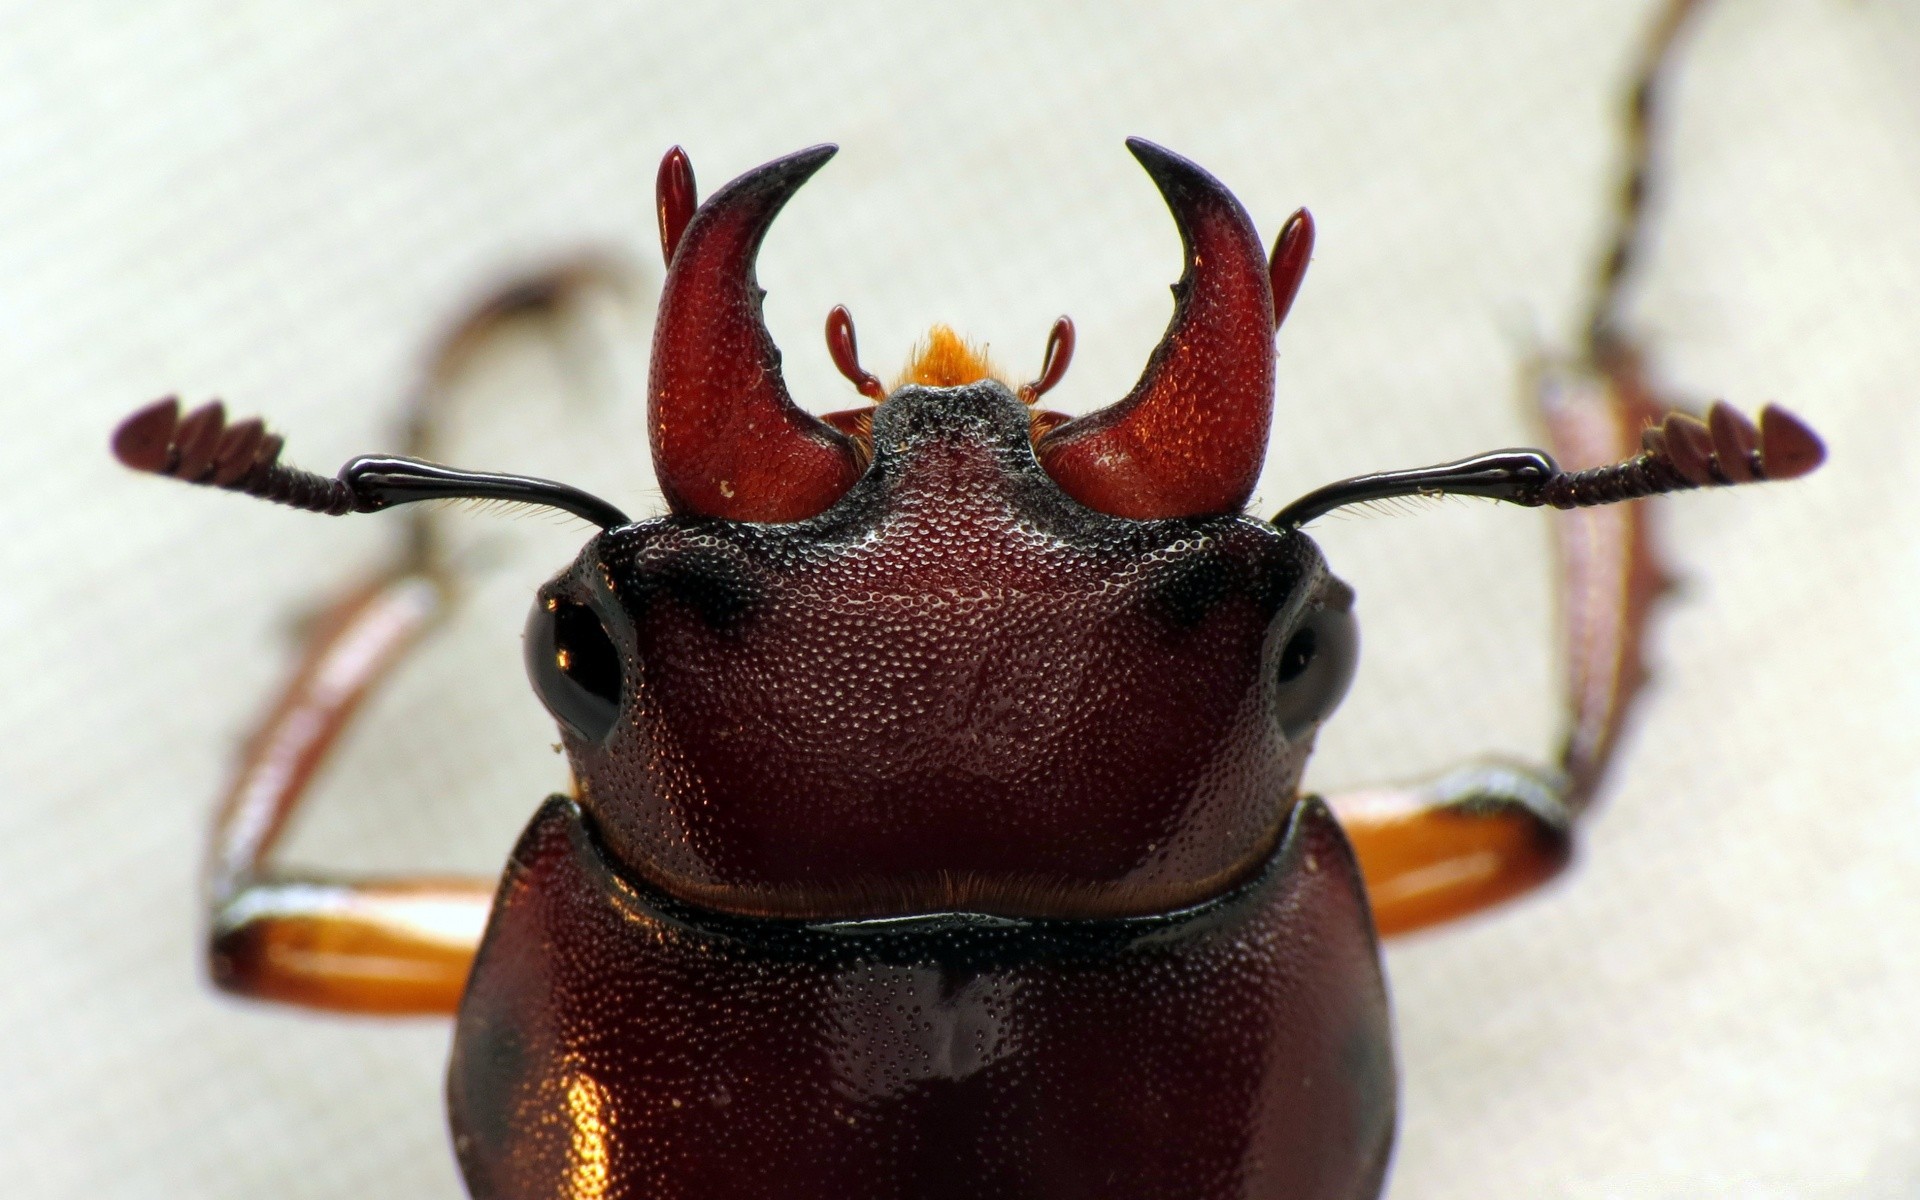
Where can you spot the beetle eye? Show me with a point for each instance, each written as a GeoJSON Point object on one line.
{"type": "Point", "coordinates": [574, 666]}
{"type": "Point", "coordinates": [1316, 665]}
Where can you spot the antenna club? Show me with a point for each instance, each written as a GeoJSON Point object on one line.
{"type": "Point", "coordinates": [1788, 446]}
{"type": "Point", "coordinates": [243, 457]}
{"type": "Point", "coordinates": [142, 441]}
{"type": "Point", "coordinates": [1679, 454]}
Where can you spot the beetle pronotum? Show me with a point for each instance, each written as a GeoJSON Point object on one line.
{"type": "Point", "coordinates": [1727, 452]}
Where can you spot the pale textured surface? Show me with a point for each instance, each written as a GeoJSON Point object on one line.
{"type": "Point", "coordinates": [280, 205]}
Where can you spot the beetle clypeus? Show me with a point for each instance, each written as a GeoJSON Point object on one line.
{"type": "Point", "coordinates": [936, 826]}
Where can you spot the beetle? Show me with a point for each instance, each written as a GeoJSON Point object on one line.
{"type": "Point", "coordinates": [936, 826]}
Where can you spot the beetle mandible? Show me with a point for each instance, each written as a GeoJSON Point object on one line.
{"type": "Point", "coordinates": [936, 827]}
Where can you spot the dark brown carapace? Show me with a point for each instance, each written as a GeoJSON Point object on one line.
{"type": "Point", "coordinates": [937, 826]}
{"type": "Point", "coordinates": [913, 657]}
{"type": "Point", "coordinates": [948, 652]}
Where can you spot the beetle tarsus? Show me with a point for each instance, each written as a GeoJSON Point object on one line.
{"type": "Point", "coordinates": [1625, 239]}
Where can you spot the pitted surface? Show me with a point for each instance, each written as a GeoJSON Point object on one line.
{"type": "Point", "coordinates": [957, 687]}
{"type": "Point", "coordinates": [616, 1043]}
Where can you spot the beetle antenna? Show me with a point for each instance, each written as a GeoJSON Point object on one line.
{"type": "Point", "coordinates": [1501, 475]}
{"type": "Point", "coordinates": [1681, 453]}
{"type": "Point", "coordinates": [243, 457]}
{"type": "Point", "coordinates": [846, 355]}
{"type": "Point", "coordinates": [1053, 365]}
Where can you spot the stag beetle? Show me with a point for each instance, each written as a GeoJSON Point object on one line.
{"type": "Point", "coordinates": [936, 827]}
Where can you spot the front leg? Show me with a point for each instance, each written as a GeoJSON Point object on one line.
{"type": "Point", "coordinates": [1455, 845]}
{"type": "Point", "coordinates": [399, 945]}
{"type": "Point", "coordinates": [1472, 838]}
{"type": "Point", "coordinates": [388, 946]}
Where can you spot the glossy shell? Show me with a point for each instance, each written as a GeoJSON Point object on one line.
{"type": "Point", "coordinates": [937, 830]}
{"type": "Point", "coordinates": [615, 1043]}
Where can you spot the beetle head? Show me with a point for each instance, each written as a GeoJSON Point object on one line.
{"type": "Point", "coordinates": [956, 687]}
{"type": "Point", "coordinates": [950, 654]}
{"type": "Point", "coordinates": [951, 651]}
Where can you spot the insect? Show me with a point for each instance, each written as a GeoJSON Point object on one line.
{"type": "Point", "coordinates": [936, 827]}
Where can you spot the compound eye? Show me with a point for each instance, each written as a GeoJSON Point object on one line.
{"type": "Point", "coordinates": [574, 666]}
{"type": "Point", "coordinates": [1316, 666]}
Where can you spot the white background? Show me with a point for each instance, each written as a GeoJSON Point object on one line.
{"type": "Point", "coordinates": [280, 204]}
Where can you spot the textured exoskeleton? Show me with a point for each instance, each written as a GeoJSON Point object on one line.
{"type": "Point", "coordinates": [937, 827]}
{"type": "Point", "coordinates": [937, 832]}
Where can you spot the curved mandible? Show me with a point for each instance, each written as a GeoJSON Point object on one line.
{"type": "Point", "coordinates": [727, 439]}
{"type": "Point", "coordinates": [1190, 438]}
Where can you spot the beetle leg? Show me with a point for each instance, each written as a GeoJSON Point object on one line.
{"type": "Point", "coordinates": [398, 947]}
{"type": "Point", "coordinates": [1461, 843]}
{"type": "Point", "coordinates": [1625, 244]}
{"type": "Point", "coordinates": [1471, 839]}
{"type": "Point", "coordinates": [1455, 845]}
{"type": "Point", "coordinates": [550, 295]}
{"type": "Point", "coordinates": [374, 945]}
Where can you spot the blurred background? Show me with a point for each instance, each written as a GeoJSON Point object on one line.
{"type": "Point", "coordinates": [281, 205]}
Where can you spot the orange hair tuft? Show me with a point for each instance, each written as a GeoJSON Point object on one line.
{"type": "Point", "coordinates": [946, 359]}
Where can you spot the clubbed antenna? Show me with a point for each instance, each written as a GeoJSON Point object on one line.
{"type": "Point", "coordinates": [1681, 453]}
{"type": "Point", "coordinates": [1685, 452]}
{"type": "Point", "coordinates": [243, 457]}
